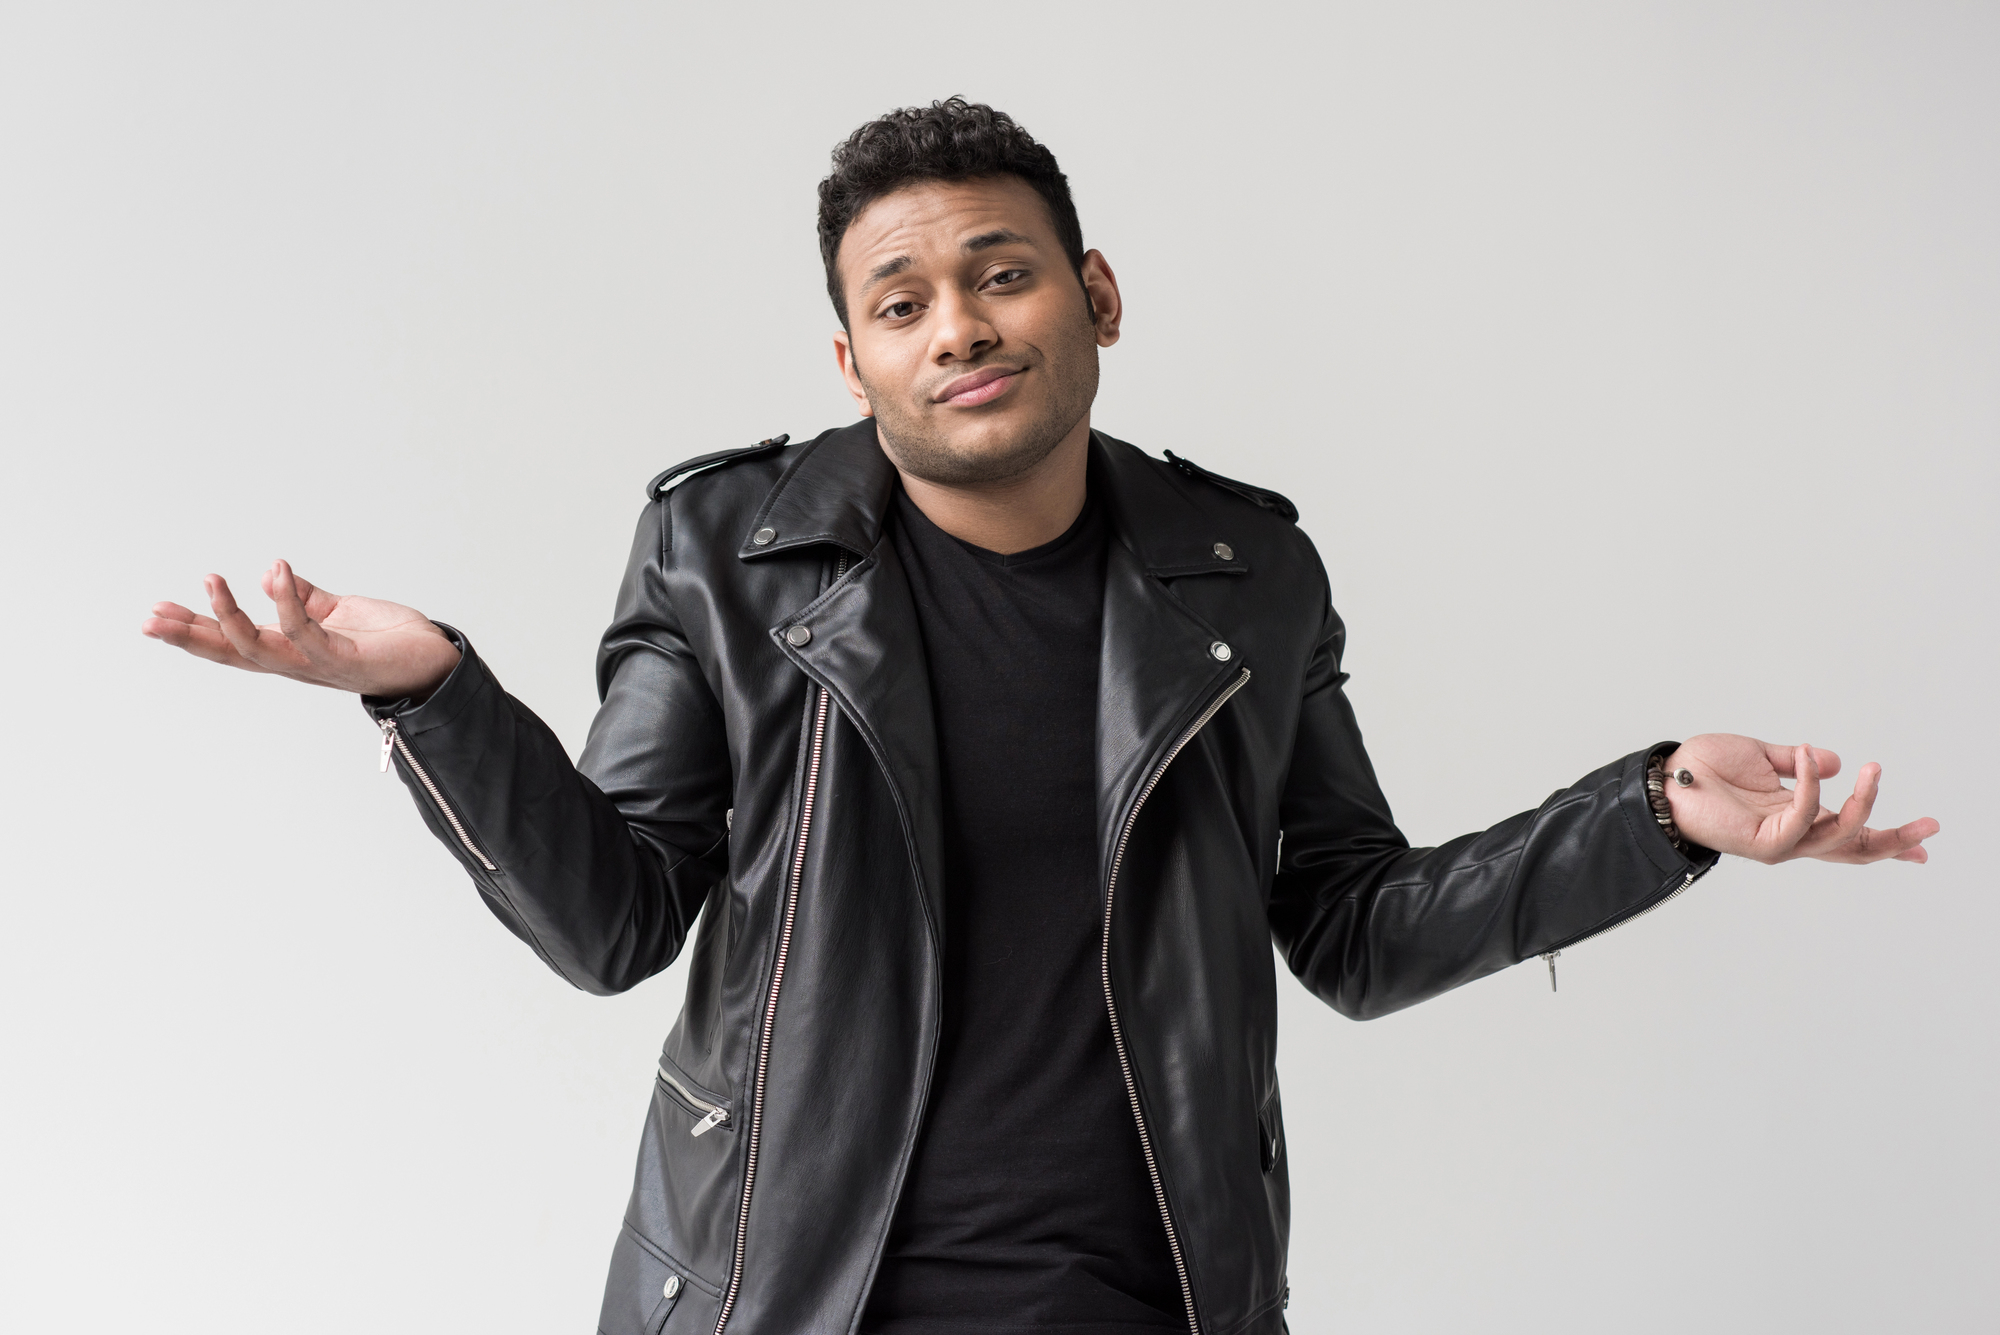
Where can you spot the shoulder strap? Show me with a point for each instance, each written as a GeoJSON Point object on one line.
{"type": "Point", "coordinates": [1269, 500]}
{"type": "Point", "coordinates": [666, 481]}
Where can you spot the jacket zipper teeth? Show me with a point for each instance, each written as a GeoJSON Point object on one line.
{"type": "Point", "coordinates": [393, 739]}
{"type": "Point", "coordinates": [717, 1114]}
{"type": "Point", "coordinates": [1550, 957]}
{"type": "Point", "coordinates": [1111, 1005]}
{"type": "Point", "coordinates": [771, 1001]}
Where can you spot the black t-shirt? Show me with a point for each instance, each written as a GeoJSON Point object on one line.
{"type": "Point", "coordinates": [1028, 1205]}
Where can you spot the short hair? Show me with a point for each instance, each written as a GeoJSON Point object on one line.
{"type": "Point", "coordinates": [952, 140]}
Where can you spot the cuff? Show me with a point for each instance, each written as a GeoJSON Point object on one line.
{"type": "Point", "coordinates": [458, 690]}
{"type": "Point", "coordinates": [1659, 849]}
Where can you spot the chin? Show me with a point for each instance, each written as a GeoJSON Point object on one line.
{"type": "Point", "coordinates": [991, 449]}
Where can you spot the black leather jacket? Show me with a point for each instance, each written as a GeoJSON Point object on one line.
{"type": "Point", "coordinates": [764, 760]}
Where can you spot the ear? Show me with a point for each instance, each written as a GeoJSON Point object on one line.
{"type": "Point", "coordinates": [843, 353]}
{"type": "Point", "coordinates": [1106, 306]}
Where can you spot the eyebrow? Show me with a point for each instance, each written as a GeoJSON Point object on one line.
{"type": "Point", "coordinates": [999, 236]}
{"type": "Point", "coordinates": [889, 270]}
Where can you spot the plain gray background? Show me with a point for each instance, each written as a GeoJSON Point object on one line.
{"type": "Point", "coordinates": [1633, 366]}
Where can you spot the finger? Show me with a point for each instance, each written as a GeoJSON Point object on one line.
{"type": "Point", "coordinates": [1784, 759]}
{"type": "Point", "coordinates": [1878, 845]}
{"type": "Point", "coordinates": [306, 635]}
{"type": "Point", "coordinates": [1854, 812]}
{"type": "Point", "coordinates": [203, 641]}
{"type": "Point", "coordinates": [268, 650]}
{"type": "Point", "coordinates": [318, 602]}
{"type": "Point", "coordinates": [175, 612]}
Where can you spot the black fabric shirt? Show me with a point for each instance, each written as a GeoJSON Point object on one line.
{"type": "Point", "coordinates": [1028, 1205]}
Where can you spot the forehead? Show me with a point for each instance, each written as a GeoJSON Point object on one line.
{"type": "Point", "coordinates": [932, 219]}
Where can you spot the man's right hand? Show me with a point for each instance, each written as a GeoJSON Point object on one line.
{"type": "Point", "coordinates": [326, 639]}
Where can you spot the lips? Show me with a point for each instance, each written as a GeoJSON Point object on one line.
{"type": "Point", "coordinates": [978, 387]}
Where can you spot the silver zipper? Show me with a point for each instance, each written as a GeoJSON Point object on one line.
{"type": "Point", "coordinates": [1550, 957]}
{"type": "Point", "coordinates": [393, 740]}
{"type": "Point", "coordinates": [717, 1114]}
{"type": "Point", "coordinates": [1111, 1005]}
{"type": "Point", "coordinates": [771, 1002]}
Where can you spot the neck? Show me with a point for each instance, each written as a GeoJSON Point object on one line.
{"type": "Point", "coordinates": [1021, 512]}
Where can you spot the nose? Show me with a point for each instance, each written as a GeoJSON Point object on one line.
{"type": "Point", "coordinates": [959, 329]}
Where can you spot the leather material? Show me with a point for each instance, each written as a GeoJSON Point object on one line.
{"type": "Point", "coordinates": [686, 806]}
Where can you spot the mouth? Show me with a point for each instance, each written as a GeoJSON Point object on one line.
{"type": "Point", "coordinates": [977, 387]}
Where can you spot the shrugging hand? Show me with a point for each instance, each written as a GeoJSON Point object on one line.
{"type": "Point", "coordinates": [326, 639]}
{"type": "Point", "coordinates": [1736, 804]}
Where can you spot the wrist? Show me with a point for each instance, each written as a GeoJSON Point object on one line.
{"type": "Point", "coordinates": [422, 675]}
{"type": "Point", "coordinates": [1665, 776]}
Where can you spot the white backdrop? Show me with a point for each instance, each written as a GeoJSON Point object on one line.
{"type": "Point", "coordinates": [1633, 366]}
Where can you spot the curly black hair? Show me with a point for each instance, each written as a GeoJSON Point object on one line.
{"type": "Point", "coordinates": [952, 140]}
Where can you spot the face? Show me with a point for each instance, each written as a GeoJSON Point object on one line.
{"type": "Point", "coordinates": [970, 340]}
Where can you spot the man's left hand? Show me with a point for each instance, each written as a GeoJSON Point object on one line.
{"type": "Point", "coordinates": [1736, 804]}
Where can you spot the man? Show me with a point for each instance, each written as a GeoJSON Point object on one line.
{"type": "Point", "coordinates": [993, 755]}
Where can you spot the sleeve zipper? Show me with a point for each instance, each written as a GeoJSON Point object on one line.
{"type": "Point", "coordinates": [1550, 956]}
{"type": "Point", "coordinates": [394, 741]}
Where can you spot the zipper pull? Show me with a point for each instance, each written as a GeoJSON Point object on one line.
{"type": "Point", "coordinates": [710, 1122]}
{"type": "Point", "coordinates": [388, 742]}
{"type": "Point", "coordinates": [1550, 956]}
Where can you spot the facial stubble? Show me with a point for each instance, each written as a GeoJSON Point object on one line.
{"type": "Point", "coordinates": [913, 440]}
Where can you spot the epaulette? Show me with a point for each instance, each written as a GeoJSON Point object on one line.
{"type": "Point", "coordinates": [1270, 500]}
{"type": "Point", "coordinates": [665, 482]}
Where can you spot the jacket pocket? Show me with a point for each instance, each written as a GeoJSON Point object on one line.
{"type": "Point", "coordinates": [708, 1110]}
{"type": "Point", "coordinates": [644, 1292]}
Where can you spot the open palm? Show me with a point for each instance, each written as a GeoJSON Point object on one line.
{"type": "Point", "coordinates": [1738, 805]}
{"type": "Point", "coordinates": [327, 639]}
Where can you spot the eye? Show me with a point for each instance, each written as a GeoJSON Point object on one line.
{"type": "Point", "coordinates": [1007, 278]}
{"type": "Point", "coordinates": [896, 310]}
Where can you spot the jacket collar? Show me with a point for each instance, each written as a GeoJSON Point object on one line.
{"type": "Point", "coordinates": [838, 490]}
{"type": "Point", "coordinates": [841, 487]}
{"type": "Point", "coordinates": [1160, 662]}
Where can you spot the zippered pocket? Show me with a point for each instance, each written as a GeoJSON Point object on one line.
{"type": "Point", "coordinates": [1270, 1133]}
{"type": "Point", "coordinates": [708, 1110]}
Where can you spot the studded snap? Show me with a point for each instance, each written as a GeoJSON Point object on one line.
{"type": "Point", "coordinates": [764, 537]}
{"type": "Point", "coordinates": [671, 1287]}
{"type": "Point", "coordinates": [799, 636]}
{"type": "Point", "coordinates": [1220, 650]}
{"type": "Point", "coordinates": [1223, 552]}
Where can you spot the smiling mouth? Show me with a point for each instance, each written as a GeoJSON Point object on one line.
{"type": "Point", "coordinates": [969, 391]}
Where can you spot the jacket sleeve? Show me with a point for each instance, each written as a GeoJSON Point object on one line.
{"type": "Point", "coordinates": [1371, 925]}
{"type": "Point", "coordinates": [599, 866]}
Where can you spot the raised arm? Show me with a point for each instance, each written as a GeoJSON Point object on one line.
{"type": "Point", "coordinates": [1372, 925]}
{"type": "Point", "coordinates": [600, 869]}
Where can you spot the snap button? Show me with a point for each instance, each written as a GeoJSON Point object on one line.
{"type": "Point", "coordinates": [671, 1287]}
{"type": "Point", "coordinates": [1223, 552]}
{"type": "Point", "coordinates": [764, 537]}
{"type": "Point", "coordinates": [1220, 650]}
{"type": "Point", "coordinates": [798, 636]}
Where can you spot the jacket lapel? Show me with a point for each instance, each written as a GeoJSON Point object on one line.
{"type": "Point", "coordinates": [1158, 665]}
{"type": "Point", "coordinates": [859, 638]}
